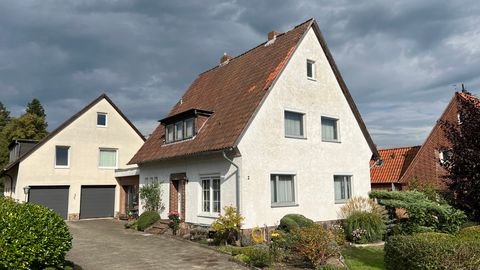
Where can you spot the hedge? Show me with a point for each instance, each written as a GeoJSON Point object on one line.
{"type": "Point", "coordinates": [147, 219]}
{"type": "Point", "coordinates": [431, 251]}
{"type": "Point", "coordinates": [31, 236]}
{"type": "Point", "coordinates": [294, 221]}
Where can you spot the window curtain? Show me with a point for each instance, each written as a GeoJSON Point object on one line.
{"type": "Point", "coordinates": [206, 195]}
{"type": "Point", "coordinates": [216, 195]}
{"type": "Point", "coordinates": [329, 129]}
{"type": "Point", "coordinates": [339, 188]}
{"type": "Point", "coordinates": [273, 185]}
{"type": "Point", "coordinates": [179, 131]}
{"type": "Point", "coordinates": [108, 158]}
{"type": "Point", "coordinates": [285, 191]}
{"type": "Point", "coordinates": [293, 124]}
{"type": "Point", "coordinates": [188, 128]}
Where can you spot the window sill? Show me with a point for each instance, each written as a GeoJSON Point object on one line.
{"type": "Point", "coordinates": [295, 137]}
{"type": "Point", "coordinates": [108, 168]}
{"type": "Point", "coordinates": [311, 79]}
{"type": "Point", "coordinates": [278, 205]}
{"type": "Point", "coordinates": [331, 141]}
{"type": "Point", "coordinates": [341, 202]}
{"type": "Point", "coordinates": [208, 215]}
{"type": "Point", "coordinates": [62, 167]}
{"type": "Point", "coordinates": [101, 126]}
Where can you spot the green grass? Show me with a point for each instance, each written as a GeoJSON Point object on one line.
{"type": "Point", "coordinates": [364, 258]}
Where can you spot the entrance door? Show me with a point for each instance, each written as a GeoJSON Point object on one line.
{"type": "Point", "coordinates": [177, 193]}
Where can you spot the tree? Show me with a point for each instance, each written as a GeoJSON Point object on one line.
{"type": "Point", "coordinates": [27, 126]}
{"type": "Point", "coordinates": [35, 107]}
{"type": "Point", "coordinates": [463, 163]}
{"type": "Point", "coordinates": [4, 116]}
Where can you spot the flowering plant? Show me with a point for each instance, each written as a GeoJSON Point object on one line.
{"type": "Point", "coordinates": [174, 221]}
{"type": "Point", "coordinates": [357, 235]}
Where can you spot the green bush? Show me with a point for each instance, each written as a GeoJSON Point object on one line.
{"type": "Point", "coordinates": [258, 256]}
{"type": "Point", "coordinates": [291, 222]}
{"type": "Point", "coordinates": [31, 236]}
{"type": "Point", "coordinates": [147, 219]}
{"type": "Point", "coordinates": [227, 226]}
{"type": "Point", "coordinates": [472, 232]}
{"type": "Point", "coordinates": [431, 251]}
{"type": "Point", "coordinates": [151, 196]}
{"type": "Point", "coordinates": [364, 227]}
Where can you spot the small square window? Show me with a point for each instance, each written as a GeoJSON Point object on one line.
{"type": "Point", "coordinates": [62, 156]}
{"type": "Point", "coordinates": [311, 69]}
{"type": "Point", "coordinates": [330, 129]}
{"type": "Point", "coordinates": [444, 155]}
{"type": "Point", "coordinates": [294, 126]}
{"type": "Point", "coordinates": [101, 119]}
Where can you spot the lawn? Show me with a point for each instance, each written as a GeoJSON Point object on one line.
{"type": "Point", "coordinates": [364, 258]}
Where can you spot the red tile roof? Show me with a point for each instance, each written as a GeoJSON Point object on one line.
{"type": "Point", "coordinates": [395, 163]}
{"type": "Point", "coordinates": [233, 92]}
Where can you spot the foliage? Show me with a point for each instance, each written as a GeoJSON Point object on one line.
{"type": "Point", "coordinates": [258, 256]}
{"type": "Point", "coordinates": [431, 251]}
{"type": "Point", "coordinates": [363, 204]}
{"type": "Point", "coordinates": [27, 126]}
{"type": "Point", "coordinates": [257, 235]}
{"type": "Point", "coordinates": [131, 225]}
{"type": "Point", "coordinates": [174, 221]}
{"type": "Point", "coordinates": [315, 243]}
{"type": "Point", "coordinates": [423, 214]}
{"type": "Point", "coordinates": [36, 108]}
{"type": "Point", "coordinates": [462, 166]}
{"type": "Point", "coordinates": [472, 232]}
{"type": "Point", "coordinates": [246, 240]}
{"type": "Point", "coordinates": [364, 227]}
{"type": "Point", "coordinates": [31, 236]}
{"type": "Point", "coordinates": [431, 190]}
{"type": "Point", "coordinates": [4, 116]}
{"type": "Point", "coordinates": [151, 196]}
{"type": "Point", "coordinates": [339, 234]}
{"type": "Point", "coordinates": [147, 219]}
{"type": "Point", "coordinates": [364, 258]}
{"type": "Point", "coordinates": [291, 222]}
{"type": "Point", "coordinates": [227, 226]}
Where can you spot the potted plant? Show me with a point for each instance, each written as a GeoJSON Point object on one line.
{"type": "Point", "coordinates": [174, 221]}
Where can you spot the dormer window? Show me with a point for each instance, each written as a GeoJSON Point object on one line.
{"type": "Point", "coordinates": [169, 134]}
{"type": "Point", "coordinates": [182, 126]}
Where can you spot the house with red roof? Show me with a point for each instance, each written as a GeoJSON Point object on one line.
{"type": "Point", "coordinates": [271, 131]}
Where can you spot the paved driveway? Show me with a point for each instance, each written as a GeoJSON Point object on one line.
{"type": "Point", "coordinates": [105, 244]}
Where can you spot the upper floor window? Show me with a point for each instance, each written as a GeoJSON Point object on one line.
{"type": "Point", "coordinates": [460, 118]}
{"type": "Point", "coordinates": [62, 156]}
{"type": "Point", "coordinates": [294, 124]}
{"type": "Point", "coordinates": [180, 130]}
{"type": "Point", "coordinates": [282, 189]}
{"type": "Point", "coordinates": [108, 158]}
{"type": "Point", "coordinates": [101, 119]}
{"type": "Point", "coordinates": [444, 155]}
{"type": "Point", "coordinates": [343, 187]}
{"type": "Point", "coordinates": [330, 129]}
{"type": "Point", "coordinates": [311, 69]}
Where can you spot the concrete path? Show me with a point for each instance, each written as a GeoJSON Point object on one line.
{"type": "Point", "coordinates": [105, 244]}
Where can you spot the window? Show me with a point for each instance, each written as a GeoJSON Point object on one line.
{"type": "Point", "coordinates": [444, 155]}
{"type": "Point", "coordinates": [101, 119]}
{"type": "Point", "coordinates": [169, 135]}
{"type": "Point", "coordinates": [343, 187]}
{"type": "Point", "coordinates": [282, 189]}
{"type": "Point", "coordinates": [311, 69]}
{"type": "Point", "coordinates": [189, 128]}
{"type": "Point", "coordinates": [107, 158]}
{"type": "Point", "coordinates": [294, 124]}
{"type": "Point", "coordinates": [460, 118]}
{"type": "Point", "coordinates": [330, 129]}
{"type": "Point", "coordinates": [62, 156]}
{"type": "Point", "coordinates": [180, 130]}
{"type": "Point", "coordinates": [211, 194]}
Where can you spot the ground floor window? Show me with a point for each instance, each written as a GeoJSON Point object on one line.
{"type": "Point", "coordinates": [282, 189]}
{"type": "Point", "coordinates": [211, 194]}
{"type": "Point", "coordinates": [343, 187]}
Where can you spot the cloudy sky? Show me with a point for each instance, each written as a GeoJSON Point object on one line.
{"type": "Point", "coordinates": [402, 60]}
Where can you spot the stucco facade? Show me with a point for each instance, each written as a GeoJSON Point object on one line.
{"type": "Point", "coordinates": [85, 139]}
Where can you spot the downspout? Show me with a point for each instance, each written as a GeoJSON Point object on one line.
{"type": "Point", "coordinates": [237, 182]}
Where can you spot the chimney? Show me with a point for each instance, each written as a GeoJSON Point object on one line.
{"type": "Point", "coordinates": [272, 35]}
{"type": "Point", "coordinates": [225, 59]}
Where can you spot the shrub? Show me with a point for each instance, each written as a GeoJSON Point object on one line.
{"type": "Point", "coordinates": [31, 236]}
{"type": "Point", "coordinates": [291, 222]}
{"type": "Point", "coordinates": [364, 227]}
{"type": "Point", "coordinates": [151, 196]}
{"type": "Point", "coordinates": [227, 226]}
{"type": "Point", "coordinates": [472, 232]}
{"type": "Point", "coordinates": [339, 234]}
{"type": "Point", "coordinates": [258, 256]}
{"type": "Point", "coordinates": [315, 243]}
{"type": "Point", "coordinates": [147, 219]}
{"type": "Point", "coordinates": [431, 251]}
{"type": "Point", "coordinates": [174, 221]}
{"type": "Point", "coordinates": [361, 204]}
{"type": "Point", "coordinates": [246, 240]}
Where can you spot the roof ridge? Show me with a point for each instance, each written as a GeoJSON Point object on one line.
{"type": "Point", "coordinates": [399, 147]}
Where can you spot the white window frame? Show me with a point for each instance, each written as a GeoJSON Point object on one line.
{"type": "Point", "coordinates": [295, 194]}
{"type": "Point", "coordinates": [350, 176]}
{"type": "Point", "coordinates": [210, 178]}
{"type": "Point", "coordinates": [443, 155]}
{"type": "Point", "coordinates": [106, 119]}
{"type": "Point", "coordinates": [68, 157]}
{"type": "Point", "coordinates": [314, 70]}
{"type": "Point", "coordinates": [172, 127]}
{"type": "Point", "coordinates": [304, 124]}
{"type": "Point", "coordinates": [460, 118]}
{"type": "Point", "coordinates": [337, 124]}
{"type": "Point", "coordinates": [116, 158]}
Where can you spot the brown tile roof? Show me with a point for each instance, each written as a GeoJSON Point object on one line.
{"type": "Point", "coordinates": [233, 92]}
{"type": "Point", "coordinates": [395, 163]}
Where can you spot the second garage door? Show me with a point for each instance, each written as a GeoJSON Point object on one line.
{"type": "Point", "coordinates": [97, 201]}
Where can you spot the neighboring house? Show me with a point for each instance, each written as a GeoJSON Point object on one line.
{"type": "Point", "coordinates": [395, 163]}
{"type": "Point", "coordinates": [73, 169]}
{"type": "Point", "coordinates": [272, 131]}
{"type": "Point", "coordinates": [426, 167]}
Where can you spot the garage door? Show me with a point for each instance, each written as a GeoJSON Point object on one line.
{"type": "Point", "coordinates": [97, 201]}
{"type": "Point", "coordinates": [55, 198]}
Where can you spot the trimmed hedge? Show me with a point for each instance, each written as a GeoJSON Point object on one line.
{"type": "Point", "coordinates": [147, 219]}
{"type": "Point", "coordinates": [294, 221]}
{"type": "Point", "coordinates": [31, 236]}
{"type": "Point", "coordinates": [472, 232]}
{"type": "Point", "coordinates": [431, 251]}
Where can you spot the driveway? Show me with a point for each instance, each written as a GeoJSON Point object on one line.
{"type": "Point", "coordinates": [105, 244]}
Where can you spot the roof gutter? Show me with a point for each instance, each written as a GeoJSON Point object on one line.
{"type": "Point", "coordinates": [237, 180]}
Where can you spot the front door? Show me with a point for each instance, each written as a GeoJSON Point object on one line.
{"type": "Point", "coordinates": [177, 193]}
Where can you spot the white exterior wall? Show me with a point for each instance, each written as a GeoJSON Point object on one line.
{"type": "Point", "coordinates": [194, 167]}
{"type": "Point", "coordinates": [265, 149]}
{"type": "Point", "coordinates": [84, 138]}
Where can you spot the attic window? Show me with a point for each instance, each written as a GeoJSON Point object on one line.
{"type": "Point", "coordinates": [101, 119]}
{"type": "Point", "coordinates": [311, 69]}
{"type": "Point", "coordinates": [180, 130]}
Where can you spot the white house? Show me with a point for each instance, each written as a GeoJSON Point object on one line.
{"type": "Point", "coordinates": [272, 131]}
{"type": "Point", "coordinates": [80, 169]}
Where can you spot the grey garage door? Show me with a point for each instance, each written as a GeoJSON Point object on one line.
{"type": "Point", "coordinates": [53, 197]}
{"type": "Point", "coordinates": [97, 201]}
